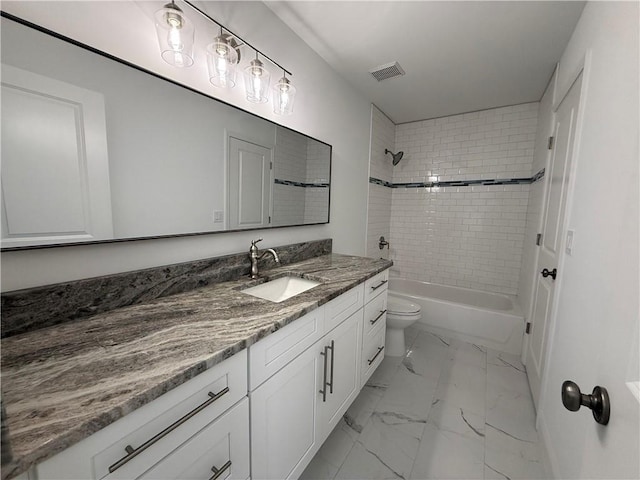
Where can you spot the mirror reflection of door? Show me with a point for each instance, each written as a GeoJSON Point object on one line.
{"type": "Point", "coordinates": [55, 166]}
{"type": "Point", "coordinates": [250, 167]}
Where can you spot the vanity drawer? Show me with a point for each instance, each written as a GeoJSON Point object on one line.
{"type": "Point", "coordinates": [375, 313]}
{"type": "Point", "coordinates": [376, 285]}
{"type": "Point", "coordinates": [272, 353]}
{"type": "Point", "coordinates": [342, 307]}
{"type": "Point", "coordinates": [372, 352]}
{"type": "Point", "coordinates": [222, 445]}
{"type": "Point", "coordinates": [93, 457]}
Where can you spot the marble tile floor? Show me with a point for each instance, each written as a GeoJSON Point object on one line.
{"type": "Point", "coordinates": [446, 410]}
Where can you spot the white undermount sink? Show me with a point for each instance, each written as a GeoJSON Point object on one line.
{"type": "Point", "coordinates": [280, 289]}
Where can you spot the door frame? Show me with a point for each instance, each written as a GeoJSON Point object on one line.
{"type": "Point", "coordinates": [584, 68]}
{"type": "Point", "coordinates": [545, 187]}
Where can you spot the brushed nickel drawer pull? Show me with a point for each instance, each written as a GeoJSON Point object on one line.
{"type": "Point", "coordinates": [324, 375]}
{"type": "Point", "coordinates": [134, 452]}
{"type": "Point", "coordinates": [379, 285]}
{"type": "Point", "coordinates": [382, 312]}
{"type": "Point", "coordinates": [333, 355]}
{"type": "Point", "coordinates": [376, 355]}
{"type": "Point", "coordinates": [219, 471]}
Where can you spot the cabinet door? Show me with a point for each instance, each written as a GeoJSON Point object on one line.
{"type": "Point", "coordinates": [222, 446]}
{"type": "Point", "coordinates": [284, 432]}
{"type": "Point", "coordinates": [342, 347]}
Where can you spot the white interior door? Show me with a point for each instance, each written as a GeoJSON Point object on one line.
{"type": "Point", "coordinates": [54, 143]}
{"type": "Point", "coordinates": [559, 172]}
{"type": "Point", "coordinates": [249, 184]}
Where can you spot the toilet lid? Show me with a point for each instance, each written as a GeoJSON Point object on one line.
{"type": "Point", "coordinates": [402, 307]}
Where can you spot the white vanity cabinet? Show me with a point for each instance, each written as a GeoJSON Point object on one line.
{"type": "Point", "coordinates": [170, 431]}
{"type": "Point", "coordinates": [230, 422]}
{"type": "Point", "coordinates": [294, 410]}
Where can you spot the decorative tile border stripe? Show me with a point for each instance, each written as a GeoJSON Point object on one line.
{"type": "Point", "coordinates": [461, 183]}
{"type": "Point", "coordinates": [300, 184]}
{"type": "Point", "coordinates": [377, 181]}
{"type": "Point", "coordinates": [537, 176]}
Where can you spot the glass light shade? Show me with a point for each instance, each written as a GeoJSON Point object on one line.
{"type": "Point", "coordinates": [175, 36]}
{"type": "Point", "coordinates": [283, 96]}
{"type": "Point", "coordinates": [256, 82]}
{"type": "Point", "coordinates": [222, 58]}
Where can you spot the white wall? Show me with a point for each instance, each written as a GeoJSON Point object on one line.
{"type": "Point", "coordinates": [468, 236]}
{"type": "Point", "coordinates": [594, 340]}
{"type": "Point", "coordinates": [337, 115]}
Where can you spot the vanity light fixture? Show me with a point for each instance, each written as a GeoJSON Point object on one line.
{"type": "Point", "coordinates": [283, 96]}
{"type": "Point", "coordinates": [222, 56]}
{"type": "Point", "coordinates": [256, 81]}
{"type": "Point", "coordinates": [176, 37]}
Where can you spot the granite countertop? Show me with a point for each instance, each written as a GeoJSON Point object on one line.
{"type": "Point", "coordinates": [63, 383]}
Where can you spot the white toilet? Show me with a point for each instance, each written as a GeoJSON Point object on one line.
{"type": "Point", "coordinates": [400, 314]}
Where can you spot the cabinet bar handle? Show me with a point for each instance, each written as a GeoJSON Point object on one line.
{"type": "Point", "coordinates": [382, 312]}
{"type": "Point", "coordinates": [379, 285]}
{"type": "Point", "coordinates": [323, 391]}
{"type": "Point", "coordinates": [219, 471]}
{"type": "Point", "coordinates": [376, 355]}
{"type": "Point", "coordinates": [333, 353]}
{"type": "Point", "coordinates": [134, 452]}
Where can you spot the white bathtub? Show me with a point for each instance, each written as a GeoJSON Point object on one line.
{"type": "Point", "coordinates": [488, 319]}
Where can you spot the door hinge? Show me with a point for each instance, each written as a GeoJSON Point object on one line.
{"type": "Point", "coordinates": [539, 239]}
{"type": "Point", "coordinates": [269, 218]}
{"type": "Point", "coordinates": [270, 165]}
{"type": "Point", "coordinates": [550, 143]}
{"type": "Point", "coordinates": [528, 328]}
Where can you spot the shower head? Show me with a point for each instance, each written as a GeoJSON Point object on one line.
{"type": "Point", "coordinates": [396, 156]}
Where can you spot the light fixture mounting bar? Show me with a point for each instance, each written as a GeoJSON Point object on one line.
{"type": "Point", "coordinates": [208, 17]}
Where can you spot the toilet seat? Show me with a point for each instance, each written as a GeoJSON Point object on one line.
{"type": "Point", "coordinates": [401, 307]}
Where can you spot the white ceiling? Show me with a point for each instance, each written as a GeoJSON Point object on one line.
{"type": "Point", "coordinates": [458, 56]}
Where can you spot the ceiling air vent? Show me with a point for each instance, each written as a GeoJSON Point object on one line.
{"type": "Point", "coordinates": [389, 70]}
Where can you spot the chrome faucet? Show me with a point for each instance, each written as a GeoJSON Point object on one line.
{"type": "Point", "coordinates": [255, 255]}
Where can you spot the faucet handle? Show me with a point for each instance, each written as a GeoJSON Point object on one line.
{"type": "Point", "coordinates": [253, 242]}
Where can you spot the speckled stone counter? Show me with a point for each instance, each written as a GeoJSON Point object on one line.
{"type": "Point", "coordinates": [63, 383]}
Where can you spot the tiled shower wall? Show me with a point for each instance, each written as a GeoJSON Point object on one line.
{"type": "Point", "coordinates": [316, 201]}
{"type": "Point", "coordinates": [301, 203]}
{"type": "Point", "coordinates": [288, 200]}
{"type": "Point", "coordinates": [470, 236]}
{"type": "Point", "coordinates": [382, 137]}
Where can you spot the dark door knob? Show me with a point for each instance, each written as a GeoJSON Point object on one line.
{"type": "Point", "coordinates": [546, 273]}
{"type": "Point", "coordinates": [598, 401]}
